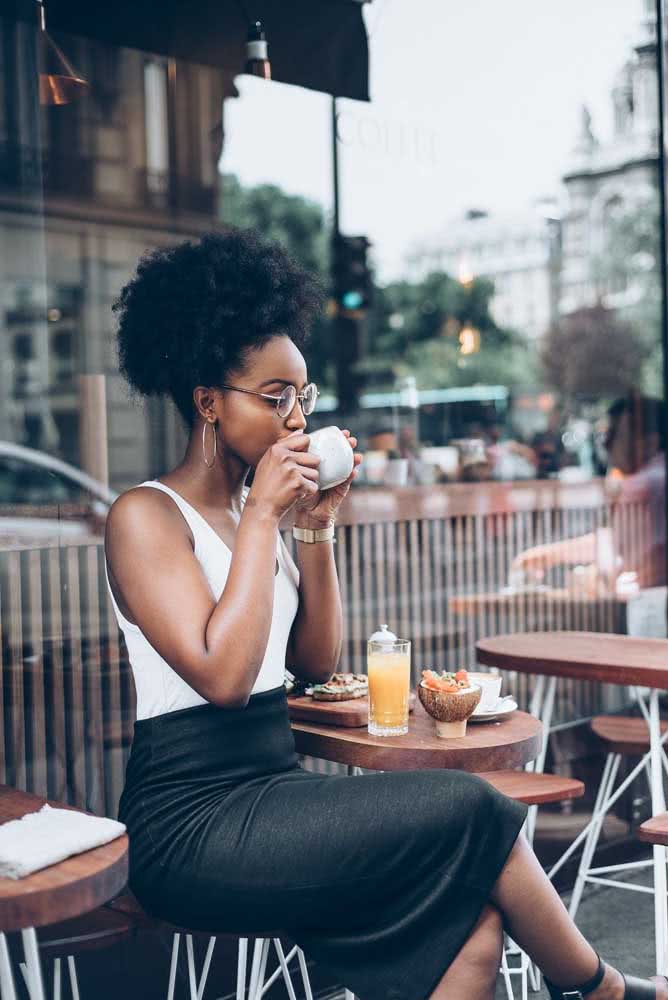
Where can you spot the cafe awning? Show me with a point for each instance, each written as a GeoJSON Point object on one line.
{"type": "Point", "coordinates": [319, 44]}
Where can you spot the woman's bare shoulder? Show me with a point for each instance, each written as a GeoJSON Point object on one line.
{"type": "Point", "coordinates": [142, 513]}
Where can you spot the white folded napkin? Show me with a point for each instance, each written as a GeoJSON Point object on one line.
{"type": "Point", "coordinates": [50, 835]}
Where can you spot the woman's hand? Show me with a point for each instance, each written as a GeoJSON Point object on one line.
{"type": "Point", "coordinates": [320, 509]}
{"type": "Point", "coordinates": [533, 560]}
{"type": "Point", "coordinates": [285, 473]}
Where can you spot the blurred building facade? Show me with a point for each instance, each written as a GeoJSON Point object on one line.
{"type": "Point", "coordinates": [611, 178]}
{"type": "Point", "coordinates": [547, 261]}
{"type": "Point", "coordinates": [519, 253]}
{"type": "Point", "coordinates": [84, 190]}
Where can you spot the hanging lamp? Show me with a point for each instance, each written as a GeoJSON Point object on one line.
{"type": "Point", "coordinates": [59, 82]}
{"type": "Point", "coordinates": [257, 55]}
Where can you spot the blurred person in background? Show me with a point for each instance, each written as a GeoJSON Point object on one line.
{"type": "Point", "coordinates": [548, 454]}
{"type": "Point", "coordinates": [382, 439]}
{"type": "Point", "coordinates": [509, 458]}
{"type": "Point", "coordinates": [635, 446]}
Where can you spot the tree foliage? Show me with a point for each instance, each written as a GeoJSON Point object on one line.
{"type": "Point", "coordinates": [592, 354]}
{"type": "Point", "coordinates": [291, 219]}
{"type": "Point", "coordinates": [300, 225]}
{"type": "Point", "coordinates": [415, 327]}
{"type": "Point", "coordinates": [627, 276]}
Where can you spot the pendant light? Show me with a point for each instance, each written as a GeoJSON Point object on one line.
{"type": "Point", "coordinates": [257, 56]}
{"type": "Point", "coordinates": [59, 82]}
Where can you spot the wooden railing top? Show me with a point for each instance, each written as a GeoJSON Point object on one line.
{"type": "Point", "coordinates": [375, 505]}
{"type": "Point", "coordinates": [381, 504]}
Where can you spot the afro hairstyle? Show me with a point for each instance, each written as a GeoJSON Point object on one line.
{"type": "Point", "coordinates": [193, 312]}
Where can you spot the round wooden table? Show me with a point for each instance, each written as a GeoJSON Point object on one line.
{"type": "Point", "coordinates": [64, 890]}
{"type": "Point", "coordinates": [487, 746]}
{"type": "Point", "coordinates": [611, 659]}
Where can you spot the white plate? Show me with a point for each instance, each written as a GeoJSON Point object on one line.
{"type": "Point", "coordinates": [504, 707]}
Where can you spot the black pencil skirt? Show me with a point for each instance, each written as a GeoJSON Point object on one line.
{"type": "Point", "coordinates": [380, 878]}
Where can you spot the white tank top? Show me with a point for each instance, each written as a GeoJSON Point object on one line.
{"type": "Point", "coordinates": [159, 688]}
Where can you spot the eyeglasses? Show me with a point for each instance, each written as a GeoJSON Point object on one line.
{"type": "Point", "coordinates": [287, 399]}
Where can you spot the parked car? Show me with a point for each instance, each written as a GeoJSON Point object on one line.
{"type": "Point", "coordinates": [42, 497]}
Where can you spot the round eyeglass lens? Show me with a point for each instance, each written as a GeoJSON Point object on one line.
{"type": "Point", "coordinates": [287, 401]}
{"type": "Point", "coordinates": [310, 398]}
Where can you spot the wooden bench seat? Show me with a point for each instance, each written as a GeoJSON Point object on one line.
{"type": "Point", "coordinates": [655, 830]}
{"type": "Point", "coordinates": [534, 788]}
{"type": "Point", "coordinates": [623, 734]}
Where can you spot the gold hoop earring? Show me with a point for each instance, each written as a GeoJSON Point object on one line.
{"type": "Point", "coordinates": [211, 424]}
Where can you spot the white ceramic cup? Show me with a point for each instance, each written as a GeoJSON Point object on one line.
{"type": "Point", "coordinates": [336, 456]}
{"type": "Point", "coordinates": [491, 690]}
{"type": "Point", "coordinates": [396, 473]}
{"type": "Point", "coordinates": [375, 464]}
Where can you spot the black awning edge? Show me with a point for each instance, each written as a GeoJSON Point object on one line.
{"type": "Point", "coordinates": [318, 44]}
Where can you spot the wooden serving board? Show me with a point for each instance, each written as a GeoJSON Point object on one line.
{"type": "Point", "coordinates": [353, 712]}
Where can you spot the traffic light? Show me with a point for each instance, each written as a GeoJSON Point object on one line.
{"type": "Point", "coordinates": [353, 281]}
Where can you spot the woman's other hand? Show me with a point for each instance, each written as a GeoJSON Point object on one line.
{"type": "Point", "coordinates": [320, 509]}
{"type": "Point", "coordinates": [286, 473]}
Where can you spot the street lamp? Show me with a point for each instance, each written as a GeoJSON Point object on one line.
{"type": "Point", "coordinates": [469, 340]}
{"type": "Point", "coordinates": [465, 273]}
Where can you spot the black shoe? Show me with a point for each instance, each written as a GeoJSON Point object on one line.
{"type": "Point", "coordinates": [634, 989]}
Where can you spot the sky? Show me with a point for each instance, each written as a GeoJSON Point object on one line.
{"type": "Point", "coordinates": [473, 104]}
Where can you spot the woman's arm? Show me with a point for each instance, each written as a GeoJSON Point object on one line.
{"type": "Point", "coordinates": [315, 640]}
{"type": "Point", "coordinates": [568, 551]}
{"type": "Point", "coordinates": [217, 647]}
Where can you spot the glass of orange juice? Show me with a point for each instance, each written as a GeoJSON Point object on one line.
{"type": "Point", "coordinates": [389, 670]}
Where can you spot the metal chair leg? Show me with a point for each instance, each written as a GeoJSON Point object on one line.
{"type": "Point", "coordinates": [74, 984]}
{"type": "Point", "coordinates": [192, 978]}
{"type": "Point", "coordinates": [173, 965]}
{"type": "Point", "coordinates": [505, 972]}
{"type": "Point", "coordinates": [56, 979]}
{"type": "Point", "coordinates": [524, 975]}
{"type": "Point", "coordinates": [605, 788]}
{"type": "Point", "coordinates": [263, 968]}
{"type": "Point", "coordinates": [242, 958]}
{"type": "Point", "coordinates": [34, 969]}
{"type": "Point", "coordinates": [206, 966]}
{"type": "Point", "coordinates": [535, 976]}
{"type": "Point", "coordinates": [257, 986]}
{"type": "Point", "coordinates": [524, 969]}
{"type": "Point", "coordinates": [255, 969]}
{"type": "Point", "coordinates": [7, 988]}
{"type": "Point", "coordinates": [301, 957]}
{"type": "Point", "coordinates": [287, 978]}
{"type": "Point", "coordinates": [196, 987]}
{"type": "Point", "coordinates": [26, 977]}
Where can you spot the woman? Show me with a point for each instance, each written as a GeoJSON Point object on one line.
{"type": "Point", "coordinates": [398, 883]}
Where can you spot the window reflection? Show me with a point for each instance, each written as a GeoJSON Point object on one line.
{"type": "Point", "coordinates": [511, 323]}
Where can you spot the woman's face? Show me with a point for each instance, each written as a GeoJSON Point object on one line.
{"type": "Point", "coordinates": [249, 425]}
